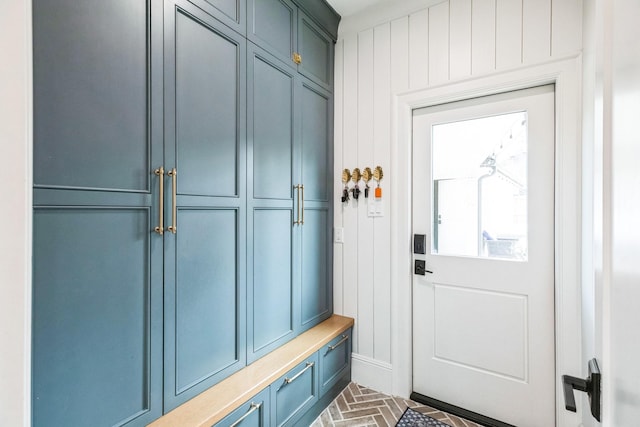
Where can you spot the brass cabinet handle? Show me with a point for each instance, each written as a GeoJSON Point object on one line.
{"type": "Point", "coordinates": [254, 407]}
{"type": "Point", "coordinates": [296, 376]}
{"type": "Point", "coordinates": [160, 228]}
{"type": "Point", "coordinates": [173, 173]}
{"type": "Point", "coordinates": [302, 208]}
{"type": "Point", "coordinates": [297, 221]}
{"type": "Point", "coordinates": [297, 58]}
{"type": "Point", "coordinates": [339, 343]}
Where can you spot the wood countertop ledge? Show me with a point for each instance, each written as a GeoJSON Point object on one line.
{"type": "Point", "coordinates": [214, 404]}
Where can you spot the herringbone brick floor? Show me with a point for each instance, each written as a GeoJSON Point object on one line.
{"type": "Point", "coordinates": [359, 406]}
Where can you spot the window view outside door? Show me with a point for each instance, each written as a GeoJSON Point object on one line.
{"type": "Point", "coordinates": [479, 183]}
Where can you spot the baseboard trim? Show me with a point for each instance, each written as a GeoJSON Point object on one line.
{"type": "Point", "coordinates": [372, 373]}
{"type": "Point", "coordinates": [458, 411]}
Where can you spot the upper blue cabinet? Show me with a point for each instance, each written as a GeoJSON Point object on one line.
{"type": "Point", "coordinates": [91, 109]}
{"type": "Point", "coordinates": [232, 13]}
{"type": "Point", "coordinates": [315, 48]}
{"type": "Point", "coordinates": [272, 25]}
{"type": "Point", "coordinates": [286, 31]}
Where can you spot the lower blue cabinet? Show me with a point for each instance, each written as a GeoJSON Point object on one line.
{"type": "Point", "coordinates": [295, 392]}
{"type": "Point", "coordinates": [335, 360]}
{"type": "Point", "coordinates": [253, 413]}
{"type": "Point", "coordinates": [300, 395]}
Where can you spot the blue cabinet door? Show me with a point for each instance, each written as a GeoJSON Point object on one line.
{"type": "Point", "coordinates": [272, 25]}
{"type": "Point", "coordinates": [294, 393]}
{"type": "Point", "coordinates": [335, 361]}
{"type": "Point", "coordinates": [316, 48]}
{"type": "Point", "coordinates": [316, 166]}
{"type": "Point", "coordinates": [205, 259]}
{"type": "Point", "coordinates": [97, 277]}
{"type": "Point", "coordinates": [97, 263]}
{"type": "Point", "coordinates": [273, 245]}
{"type": "Point", "coordinates": [232, 13]}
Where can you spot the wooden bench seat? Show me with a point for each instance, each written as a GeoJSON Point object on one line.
{"type": "Point", "coordinates": [214, 404]}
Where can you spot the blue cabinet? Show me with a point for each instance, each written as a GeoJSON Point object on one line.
{"type": "Point", "coordinates": [284, 30]}
{"type": "Point", "coordinates": [316, 165]}
{"type": "Point", "coordinates": [294, 393]}
{"type": "Point", "coordinates": [272, 274]}
{"type": "Point", "coordinates": [232, 13]}
{"type": "Point", "coordinates": [272, 24]}
{"type": "Point", "coordinates": [169, 244]}
{"type": "Point", "coordinates": [289, 203]}
{"type": "Point", "coordinates": [335, 360]}
{"type": "Point", "coordinates": [205, 247]}
{"type": "Point", "coordinates": [316, 49]}
{"type": "Point", "coordinates": [97, 272]}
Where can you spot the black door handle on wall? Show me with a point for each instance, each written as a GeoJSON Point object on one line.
{"type": "Point", "coordinates": [590, 385]}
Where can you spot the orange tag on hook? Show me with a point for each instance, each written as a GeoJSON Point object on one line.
{"type": "Point", "coordinates": [378, 193]}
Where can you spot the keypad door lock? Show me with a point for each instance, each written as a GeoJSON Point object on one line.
{"type": "Point", "coordinates": [419, 243]}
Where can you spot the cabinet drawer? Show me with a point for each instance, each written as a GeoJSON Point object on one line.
{"type": "Point", "coordinates": [335, 360]}
{"type": "Point", "coordinates": [294, 393]}
{"type": "Point", "coordinates": [254, 413]}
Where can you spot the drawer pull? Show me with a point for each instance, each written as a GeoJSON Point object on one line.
{"type": "Point", "coordinates": [339, 343]}
{"type": "Point", "coordinates": [295, 377]}
{"type": "Point", "coordinates": [254, 407]}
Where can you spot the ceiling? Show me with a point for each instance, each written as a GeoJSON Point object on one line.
{"type": "Point", "coordinates": [350, 7]}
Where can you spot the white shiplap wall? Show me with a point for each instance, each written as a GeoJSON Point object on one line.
{"type": "Point", "coordinates": [382, 53]}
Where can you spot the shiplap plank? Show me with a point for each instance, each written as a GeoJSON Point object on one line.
{"type": "Point", "coordinates": [439, 44]}
{"type": "Point", "coordinates": [566, 27]}
{"type": "Point", "coordinates": [382, 225]}
{"type": "Point", "coordinates": [508, 33]}
{"type": "Point", "coordinates": [536, 30]}
{"type": "Point", "coordinates": [419, 49]}
{"type": "Point", "coordinates": [483, 36]}
{"type": "Point", "coordinates": [338, 296]}
{"type": "Point", "coordinates": [400, 55]}
{"type": "Point", "coordinates": [365, 224]}
{"type": "Point", "coordinates": [460, 39]}
{"type": "Point", "coordinates": [350, 158]}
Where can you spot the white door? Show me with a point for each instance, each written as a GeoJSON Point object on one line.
{"type": "Point", "coordinates": [483, 312]}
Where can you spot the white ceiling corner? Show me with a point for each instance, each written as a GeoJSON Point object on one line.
{"type": "Point", "coordinates": [351, 7]}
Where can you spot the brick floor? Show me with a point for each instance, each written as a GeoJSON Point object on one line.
{"type": "Point", "coordinates": [359, 406]}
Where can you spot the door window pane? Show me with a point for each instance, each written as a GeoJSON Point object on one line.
{"type": "Point", "coordinates": [479, 182]}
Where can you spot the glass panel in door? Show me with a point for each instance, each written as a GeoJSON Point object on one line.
{"type": "Point", "coordinates": [479, 184]}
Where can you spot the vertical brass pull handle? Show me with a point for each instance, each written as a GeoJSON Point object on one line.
{"type": "Point", "coordinates": [160, 228]}
{"type": "Point", "coordinates": [297, 221]}
{"type": "Point", "coordinates": [302, 208]}
{"type": "Point", "coordinates": [252, 408]}
{"type": "Point", "coordinates": [173, 173]}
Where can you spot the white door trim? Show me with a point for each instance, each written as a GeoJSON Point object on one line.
{"type": "Point", "coordinates": [566, 75]}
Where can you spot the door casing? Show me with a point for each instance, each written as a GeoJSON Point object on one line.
{"type": "Point", "coordinates": [565, 75]}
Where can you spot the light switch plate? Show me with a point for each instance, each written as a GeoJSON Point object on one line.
{"type": "Point", "coordinates": [338, 234]}
{"type": "Point", "coordinates": [375, 208]}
